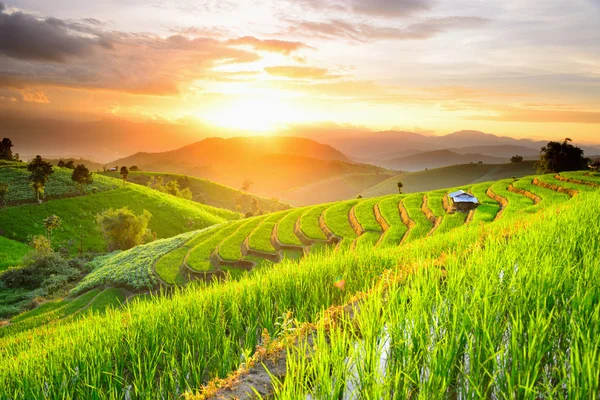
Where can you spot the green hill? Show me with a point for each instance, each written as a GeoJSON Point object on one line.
{"type": "Point", "coordinates": [243, 245]}
{"type": "Point", "coordinates": [170, 216]}
{"type": "Point", "coordinates": [209, 193]}
{"type": "Point", "coordinates": [12, 252]}
{"type": "Point", "coordinates": [456, 175]}
{"type": "Point", "coordinates": [499, 302]}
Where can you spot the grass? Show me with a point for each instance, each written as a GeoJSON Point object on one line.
{"type": "Point", "coordinates": [529, 278]}
{"type": "Point", "coordinates": [199, 256]}
{"type": "Point", "coordinates": [210, 193]}
{"type": "Point", "coordinates": [390, 212]}
{"type": "Point", "coordinates": [170, 216]}
{"type": "Point", "coordinates": [488, 208]}
{"type": "Point", "coordinates": [49, 314]}
{"type": "Point", "coordinates": [12, 252]}
{"type": "Point", "coordinates": [449, 221]}
{"type": "Point", "coordinates": [285, 229]}
{"type": "Point", "coordinates": [230, 249]}
{"type": "Point", "coordinates": [336, 218]}
{"type": "Point", "coordinates": [59, 185]}
{"type": "Point", "coordinates": [260, 238]}
{"type": "Point", "coordinates": [516, 203]}
{"type": "Point", "coordinates": [168, 267]}
{"type": "Point", "coordinates": [423, 225]}
{"type": "Point", "coordinates": [509, 319]}
{"type": "Point", "coordinates": [109, 298]}
{"type": "Point", "coordinates": [546, 195]}
{"type": "Point", "coordinates": [366, 215]}
{"type": "Point", "coordinates": [132, 268]}
{"type": "Point", "coordinates": [309, 222]}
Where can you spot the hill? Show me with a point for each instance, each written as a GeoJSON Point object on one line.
{"type": "Point", "coordinates": [209, 193]}
{"type": "Point", "coordinates": [336, 188]}
{"type": "Point", "coordinates": [273, 164]}
{"type": "Point", "coordinates": [481, 287]}
{"type": "Point", "coordinates": [12, 252]}
{"type": "Point", "coordinates": [438, 159]}
{"type": "Point", "coordinates": [170, 216]}
{"type": "Point", "coordinates": [457, 175]}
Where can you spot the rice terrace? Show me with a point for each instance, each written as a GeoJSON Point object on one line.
{"type": "Point", "coordinates": [299, 200]}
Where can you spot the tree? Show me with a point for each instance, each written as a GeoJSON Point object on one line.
{"type": "Point", "coordinates": [122, 229]}
{"type": "Point", "coordinates": [70, 164]}
{"type": "Point", "coordinates": [134, 168]}
{"type": "Point", "coordinates": [6, 149]}
{"type": "Point", "coordinates": [400, 185]}
{"type": "Point", "coordinates": [40, 175]}
{"type": "Point", "coordinates": [255, 207]}
{"type": "Point", "coordinates": [61, 164]}
{"type": "Point", "coordinates": [124, 173]}
{"type": "Point", "coordinates": [4, 188]}
{"type": "Point", "coordinates": [246, 185]}
{"type": "Point", "coordinates": [561, 156]}
{"type": "Point", "coordinates": [516, 159]}
{"type": "Point", "coordinates": [82, 177]}
{"type": "Point", "coordinates": [51, 223]}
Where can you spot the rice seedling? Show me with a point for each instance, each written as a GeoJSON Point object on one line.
{"type": "Point", "coordinates": [260, 238]}
{"type": "Point", "coordinates": [488, 207]}
{"type": "Point", "coordinates": [230, 249]}
{"type": "Point", "coordinates": [423, 225]}
{"type": "Point", "coordinates": [336, 218]}
{"type": "Point", "coordinates": [198, 258]}
{"type": "Point", "coordinates": [391, 214]}
{"type": "Point", "coordinates": [285, 228]}
{"type": "Point", "coordinates": [309, 222]}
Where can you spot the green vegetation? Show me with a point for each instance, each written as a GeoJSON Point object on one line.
{"type": "Point", "coordinates": [260, 238]}
{"type": "Point", "coordinates": [59, 185]}
{"type": "Point", "coordinates": [336, 218]}
{"type": "Point", "coordinates": [423, 225]}
{"type": "Point", "coordinates": [488, 208]}
{"type": "Point", "coordinates": [516, 203]}
{"type": "Point", "coordinates": [515, 298]}
{"type": "Point", "coordinates": [502, 306]}
{"type": "Point", "coordinates": [391, 213]}
{"type": "Point", "coordinates": [199, 256]}
{"type": "Point", "coordinates": [12, 253]}
{"type": "Point", "coordinates": [546, 195]}
{"type": "Point", "coordinates": [365, 215]}
{"type": "Point", "coordinates": [436, 205]}
{"type": "Point", "coordinates": [207, 192]}
{"type": "Point", "coordinates": [109, 298]}
{"type": "Point", "coordinates": [309, 222]}
{"type": "Point", "coordinates": [230, 249]}
{"type": "Point", "coordinates": [285, 229]}
{"type": "Point", "coordinates": [170, 216]}
{"type": "Point", "coordinates": [132, 268]}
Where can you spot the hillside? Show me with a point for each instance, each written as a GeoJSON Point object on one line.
{"type": "Point", "coordinates": [457, 175]}
{"type": "Point", "coordinates": [385, 221]}
{"type": "Point", "coordinates": [170, 216]}
{"type": "Point", "coordinates": [273, 164]}
{"type": "Point", "coordinates": [209, 193]}
{"type": "Point", "coordinates": [438, 159]}
{"type": "Point", "coordinates": [336, 188]}
{"type": "Point", "coordinates": [12, 252]}
{"type": "Point", "coordinates": [520, 256]}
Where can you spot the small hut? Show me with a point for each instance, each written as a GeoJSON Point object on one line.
{"type": "Point", "coordinates": [463, 201]}
{"type": "Point", "coordinates": [595, 166]}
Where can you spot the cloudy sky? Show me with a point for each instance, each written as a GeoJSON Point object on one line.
{"type": "Point", "coordinates": [511, 67]}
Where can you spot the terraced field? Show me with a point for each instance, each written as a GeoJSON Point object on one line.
{"type": "Point", "coordinates": [240, 246]}
{"type": "Point", "coordinates": [376, 242]}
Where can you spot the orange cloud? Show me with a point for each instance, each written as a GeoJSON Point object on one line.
{"type": "Point", "coordinates": [271, 45]}
{"type": "Point", "coordinates": [516, 114]}
{"type": "Point", "coordinates": [35, 96]}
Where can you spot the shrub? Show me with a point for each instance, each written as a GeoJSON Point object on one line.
{"type": "Point", "coordinates": [122, 229]}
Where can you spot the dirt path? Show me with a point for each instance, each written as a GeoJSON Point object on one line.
{"type": "Point", "coordinates": [410, 224]}
{"type": "Point", "coordinates": [533, 197]}
{"type": "Point", "coordinates": [556, 188]}
{"type": "Point", "coordinates": [436, 221]}
{"type": "Point", "coordinates": [498, 199]}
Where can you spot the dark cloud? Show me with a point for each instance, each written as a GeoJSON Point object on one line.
{"type": "Point", "coordinates": [384, 8]}
{"type": "Point", "coordinates": [336, 29]}
{"type": "Point", "coordinates": [25, 37]}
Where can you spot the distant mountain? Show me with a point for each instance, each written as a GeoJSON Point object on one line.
{"type": "Point", "coordinates": [375, 146]}
{"type": "Point", "coordinates": [505, 151]}
{"type": "Point", "coordinates": [273, 164]}
{"type": "Point", "coordinates": [438, 159]}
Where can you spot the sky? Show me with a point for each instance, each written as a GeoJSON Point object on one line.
{"type": "Point", "coordinates": [516, 68]}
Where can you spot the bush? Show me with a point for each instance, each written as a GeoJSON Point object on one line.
{"type": "Point", "coordinates": [47, 271]}
{"type": "Point", "coordinates": [122, 229]}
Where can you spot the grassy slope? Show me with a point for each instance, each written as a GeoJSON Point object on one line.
{"type": "Point", "coordinates": [391, 213]}
{"type": "Point", "coordinates": [60, 183]}
{"type": "Point", "coordinates": [210, 193]}
{"type": "Point", "coordinates": [11, 253]}
{"type": "Point", "coordinates": [336, 218]}
{"type": "Point", "coordinates": [423, 225]}
{"type": "Point", "coordinates": [488, 208]}
{"type": "Point", "coordinates": [454, 176]}
{"type": "Point", "coordinates": [170, 216]}
{"type": "Point", "coordinates": [483, 295]}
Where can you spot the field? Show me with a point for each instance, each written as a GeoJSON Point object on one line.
{"type": "Point", "coordinates": [170, 216]}
{"type": "Point", "coordinates": [495, 309]}
{"type": "Point", "coordinates": [210, 193]}
{"type": "Point", "coordinates": [59, 186]}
